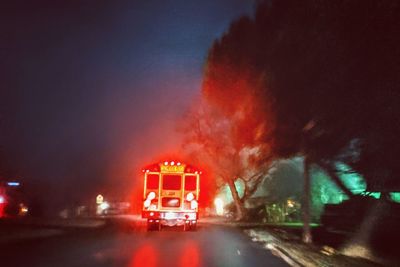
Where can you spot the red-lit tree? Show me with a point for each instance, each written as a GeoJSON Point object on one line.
{"type": "Point", "coordinates": [210, 140]}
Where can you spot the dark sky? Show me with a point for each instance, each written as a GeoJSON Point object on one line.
{"type": "Point", "coordinates": [92, 89]}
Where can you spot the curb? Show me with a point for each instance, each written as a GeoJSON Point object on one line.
{"type": "Point", "coordinates": [275, 249]}
{"type": "Point", "coordinates": [278, 251]}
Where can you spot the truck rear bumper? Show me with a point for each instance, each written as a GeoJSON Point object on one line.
{"type": "Point", "coordinates": [170, 215]}
{"type": "Point", "coordinates": [186, 219]}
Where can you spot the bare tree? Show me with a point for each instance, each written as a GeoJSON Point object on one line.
{"type": "Point", "coordinates": [210, 139]}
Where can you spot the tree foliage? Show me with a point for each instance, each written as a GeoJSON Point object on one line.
{"type": "Point", "coordinates": [318, 78]}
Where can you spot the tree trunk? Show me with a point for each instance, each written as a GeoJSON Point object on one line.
{"type": "Point", "coordinates": [255, 181]}
{"type": "Point", "coordinates": [240, 212]}
{"type": "Point", "coordinates": [307, 238]}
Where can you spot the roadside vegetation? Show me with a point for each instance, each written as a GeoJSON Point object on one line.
{"type": "Point", "coordinates": [317, 80]}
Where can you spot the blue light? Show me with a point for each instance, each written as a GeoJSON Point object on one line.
{"type": "Point", "coordinates": [13, 183]}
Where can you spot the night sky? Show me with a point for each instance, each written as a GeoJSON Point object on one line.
{"type": "Point", "coordinates": [92, 90]}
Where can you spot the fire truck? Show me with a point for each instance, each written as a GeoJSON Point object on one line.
{"type": "Point", "coordinates": [171, 195]}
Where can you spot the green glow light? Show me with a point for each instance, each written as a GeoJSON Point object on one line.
{"type": "Point", "coordinates": [325, 191]}
{"type": "Point", "coordinates": [376, 195]}
{"type": "Point", "coordinates": [395, 197]}
{"type": "Point", "coordinates": [352, 180]}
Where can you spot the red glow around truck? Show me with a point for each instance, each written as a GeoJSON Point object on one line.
{"type": "Point", "coordinates": [170, 195]}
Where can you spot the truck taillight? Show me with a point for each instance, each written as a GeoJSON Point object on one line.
{"type": "Point", "coordinates": [190, 196]}
{"type": "Point", "coordinates": [151, 196]}
{"type": "Point", "coordinates": [147, 203]}
{"type": "Point", "coordinates": [193, 204]}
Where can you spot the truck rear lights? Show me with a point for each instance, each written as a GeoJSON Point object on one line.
{"type": "Point", "coordinates": [190, 196]}
{"type": "Point", "coordinates": [193, 204]}
{"type": "Point", "coordinates": [147, 203]}
{"type": "Point", "coordinates": [151, 196]}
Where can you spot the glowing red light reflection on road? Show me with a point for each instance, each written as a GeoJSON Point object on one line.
{"type": "Point", "coordinates": [190, 255]}
{"type": "Point", "coordinates": [145, 256]}
{"type": "Point", "coordinates": [1, 209]}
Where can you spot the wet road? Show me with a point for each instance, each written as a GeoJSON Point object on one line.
{"type": "Point", "coordinates": [122, 243]}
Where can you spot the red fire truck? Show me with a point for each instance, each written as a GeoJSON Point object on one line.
{"type": "Point", "coordinates": [170, 196]}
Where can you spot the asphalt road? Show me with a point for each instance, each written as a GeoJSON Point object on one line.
{"type": "Point", "coordinates": [127, 244]}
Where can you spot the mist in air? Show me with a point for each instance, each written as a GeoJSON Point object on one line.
{"type": "Point", "coordinates": [92, 92]}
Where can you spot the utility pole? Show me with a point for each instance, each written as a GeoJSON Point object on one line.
{"type": "Point", "coordinates": [306, 209]}
{"type": "Point", "coordinates": [306, 205]}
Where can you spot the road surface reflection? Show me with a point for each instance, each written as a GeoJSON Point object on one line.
{"type": "Point", "coordinates": [145, 256]}
{"type": "Point", "coordinates": [157, 251]}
